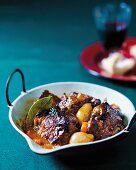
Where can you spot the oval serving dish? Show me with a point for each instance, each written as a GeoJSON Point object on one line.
{"type": "Point", "coordinates": [18, 109]}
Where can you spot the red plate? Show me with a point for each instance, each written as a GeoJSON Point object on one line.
{"type": "Point", "coordinates": [93, 54]}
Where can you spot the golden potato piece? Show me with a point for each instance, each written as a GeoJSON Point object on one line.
{"type": "Point", "coordinates": [84, 113]}
{"type": "Point", "coordinates": [81, 137]}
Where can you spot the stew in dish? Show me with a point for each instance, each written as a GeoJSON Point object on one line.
{"type": "Point", "coordinates": [73, 118]}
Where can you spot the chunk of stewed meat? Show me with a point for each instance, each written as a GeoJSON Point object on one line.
{"type": "Point", "coordinates": [55, 98]}
{"type": "Point", "coordinates": [56, 126]}
{"type": "Point", "coordinates": [106, 123]}
{"type": "Point", "coordinates": [76, 100]}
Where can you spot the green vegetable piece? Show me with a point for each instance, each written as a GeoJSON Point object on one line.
{"type": "Point", "coordinates": [40, 104]}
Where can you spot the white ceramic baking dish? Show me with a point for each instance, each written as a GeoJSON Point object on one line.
{"type": "Point", "coordinates": [17, 109]}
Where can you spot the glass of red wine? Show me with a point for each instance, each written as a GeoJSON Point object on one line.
{"type": "Point", "coordinates": [112, 21]}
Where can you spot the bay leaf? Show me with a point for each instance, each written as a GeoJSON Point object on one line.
{"type": "Point", "coordinates": [38, 105]}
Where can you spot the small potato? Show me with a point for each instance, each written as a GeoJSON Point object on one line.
{"type": "Point", "coordinates": [81, 137]}
{"type": "Point", "coordinates": [84, 113]}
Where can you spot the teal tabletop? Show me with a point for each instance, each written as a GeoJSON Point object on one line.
{"type": "Point", "coordinates": [45, 39]}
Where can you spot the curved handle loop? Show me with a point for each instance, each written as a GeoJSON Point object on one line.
{"type": "Point", "coordinates": [9, 80]}
{"type": "Point", "coordinates": [133, 120]}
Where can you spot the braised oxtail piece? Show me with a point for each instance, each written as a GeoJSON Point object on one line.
{"type": "Point", "coordinates": [105, 122]}
{"type": "Point", "coordinates": [55, 125]}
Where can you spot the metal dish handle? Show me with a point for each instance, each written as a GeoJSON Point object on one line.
{"type": "Point", "coordinates": [9, 80]}
{"type": "Point", "coordinates": [133, 120]}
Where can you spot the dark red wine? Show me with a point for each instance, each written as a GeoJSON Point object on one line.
{"type": "Point", "coordinates": [113, 35]}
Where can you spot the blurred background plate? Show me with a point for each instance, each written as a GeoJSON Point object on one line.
{"type": "Point", "coordinates": [94, 53]}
